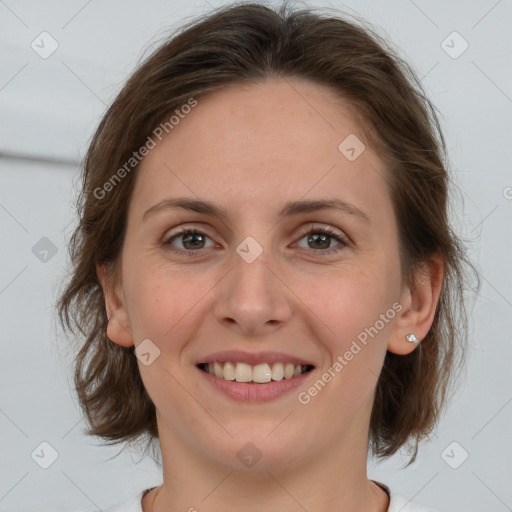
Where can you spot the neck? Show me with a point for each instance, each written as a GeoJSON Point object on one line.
{"type": "Point", "coordinates": [194, 482]}
{"type": "Point", "coordinates": [371, 498]}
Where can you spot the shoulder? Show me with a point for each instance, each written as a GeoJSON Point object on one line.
{"type": "Point", "coordinates": [132, 504]}
{"type": "Point", "coordinates": [399, 503]}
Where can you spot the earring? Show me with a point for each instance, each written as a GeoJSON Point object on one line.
{"type": "Point", "coordinates": [412, 338]}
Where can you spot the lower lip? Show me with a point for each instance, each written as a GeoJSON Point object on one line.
{"type": "Point", "coordinates": [247, 392]}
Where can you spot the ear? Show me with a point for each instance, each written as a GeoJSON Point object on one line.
{"type": "Point", "coordinates": [418, 307]}
{"type": "Point", "coordinates": [118, 330]}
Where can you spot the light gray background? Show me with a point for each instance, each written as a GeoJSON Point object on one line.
{"type": "Point", "coordinates": [48, 110]}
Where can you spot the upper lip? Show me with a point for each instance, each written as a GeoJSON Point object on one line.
{"type": "Point", "coordinates": [253, 358]}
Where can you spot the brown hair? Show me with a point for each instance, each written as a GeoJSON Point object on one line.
{"type": "Point", "coordinates": [249, 43]}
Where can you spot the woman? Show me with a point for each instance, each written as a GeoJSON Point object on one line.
{"type": "Point", "coordinates": [264, 270]}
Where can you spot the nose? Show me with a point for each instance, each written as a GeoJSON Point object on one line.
{"type": "Point", "coordinates": [253, 298]}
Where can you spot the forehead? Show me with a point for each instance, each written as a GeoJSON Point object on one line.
{"type": "Point", "coordinates": [254, 145]}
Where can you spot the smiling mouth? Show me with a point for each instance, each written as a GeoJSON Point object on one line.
{"type": "Point", "coordinates": [254, 374]}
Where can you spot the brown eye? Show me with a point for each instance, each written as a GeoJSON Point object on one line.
{"type": "Point", "coordinates": [190, 239]}
{"type": "Point", "coordinates": [320, 239]}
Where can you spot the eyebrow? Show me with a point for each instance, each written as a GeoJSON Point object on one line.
{"type": "Point", "coordinates": [289, 209]}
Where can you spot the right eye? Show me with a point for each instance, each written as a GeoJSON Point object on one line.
{"type": "Point", "coordinates": [192, 240]}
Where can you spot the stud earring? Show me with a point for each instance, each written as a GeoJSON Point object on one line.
{"type": "Point", "coordinates": [412, 338]}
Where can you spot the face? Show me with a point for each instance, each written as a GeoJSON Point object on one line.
{"type": "Point", "coordinates": [278, 276]}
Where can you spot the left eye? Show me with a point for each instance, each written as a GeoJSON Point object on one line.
{"type": "Point", "coordinates": [321, 238]}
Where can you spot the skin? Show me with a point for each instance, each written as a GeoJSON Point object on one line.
{"type": "Point", "coordinates": [249, 149]}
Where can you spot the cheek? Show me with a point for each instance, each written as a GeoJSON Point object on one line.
{"type": "Point", "coordinates": [160, 298]}
{"type": "Point", "coordinates": [354, 321]}
{"type": "Point", "coordinates": [350, 300]}
{"type": "Point", "coordinates": [163, 305]}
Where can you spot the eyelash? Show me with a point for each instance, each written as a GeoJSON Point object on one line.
{"type": "Point", "coordinates": [343, 242]}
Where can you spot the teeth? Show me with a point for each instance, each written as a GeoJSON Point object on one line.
{"type": "Point", "coordinates": [229, 371]}
{"type": "Point", "coordinates": [217, 369]}
{"type": "Point", "coordinates": [243, 372]}
{"type": "Point", "coordinates": [277, 371]}
{"type": "Point", "coordinates": [260, 373]}
{"type": "Point", "coordinates": [289, 370]}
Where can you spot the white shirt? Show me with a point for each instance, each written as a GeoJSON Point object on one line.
{"type": "Point", "coordinates": [398, 503]}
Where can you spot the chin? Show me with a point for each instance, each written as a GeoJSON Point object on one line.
{"type": "Point", "coordinates": [255, 451]}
